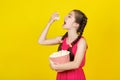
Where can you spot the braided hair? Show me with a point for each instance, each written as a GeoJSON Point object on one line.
{"type": "Point", "coordinates": [81, 19]}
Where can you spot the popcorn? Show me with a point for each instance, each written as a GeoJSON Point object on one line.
{"type": "Point", "coordinates": [57, 18]}
{"type": "Point", "coordinates": [60, 57]}
{"type": "Point", "coordinates": [60, 53]}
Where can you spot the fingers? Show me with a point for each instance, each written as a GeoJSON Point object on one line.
{"type": "Point", "coordinates": [70, 45]}
{"type": "Point", "coordinates": [55, 16]}
{"type": "Point", "coordinates": [59, 70]}
{"type": "Point", "coordinates": [51, 62]}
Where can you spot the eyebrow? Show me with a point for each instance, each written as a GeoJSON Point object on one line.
{"type": "Point", "coordinates": [70, 14]}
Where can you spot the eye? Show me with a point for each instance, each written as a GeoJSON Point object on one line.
{"type": "Point", "coordinates": [69, 16]}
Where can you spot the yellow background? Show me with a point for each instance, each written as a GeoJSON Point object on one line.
{"type": "Point", "coordinates": [22, 21]}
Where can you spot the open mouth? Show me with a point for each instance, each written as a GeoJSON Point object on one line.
{"type": "Point", "coordinates": [64, 22]}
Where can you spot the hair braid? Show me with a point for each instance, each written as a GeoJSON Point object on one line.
{"type": "Point", "coordinates": [65, 35]}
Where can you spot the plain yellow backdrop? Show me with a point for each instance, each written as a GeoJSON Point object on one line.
{"type": "Point", "coordinates": [22, 21]}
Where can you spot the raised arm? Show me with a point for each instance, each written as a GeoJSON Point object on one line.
{"type": "Point", "coordinates": [52, 41]}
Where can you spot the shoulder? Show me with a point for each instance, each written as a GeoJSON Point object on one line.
{"type": "Point", "coordinates": [82, 42]}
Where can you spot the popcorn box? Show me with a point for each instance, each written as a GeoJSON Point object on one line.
{"type": "Point", "coordinates": [60, 57]}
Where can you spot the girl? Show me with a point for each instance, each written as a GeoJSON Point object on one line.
{"type": "Point", "coordinates": [72, 41]}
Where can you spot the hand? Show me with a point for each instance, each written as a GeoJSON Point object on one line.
{"type": "Point", "coordinates": [52, 65]}
{"type": "Point", "coordinates": [54, 17]}
{"type": "Point", "coordinates": [59, 70]}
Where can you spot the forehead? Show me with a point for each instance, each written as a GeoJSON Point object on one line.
{"type": "Point", "coordinates": [72, 13]}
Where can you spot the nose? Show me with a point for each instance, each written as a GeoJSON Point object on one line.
{"type": "Point", "coordinates": [65, 17]}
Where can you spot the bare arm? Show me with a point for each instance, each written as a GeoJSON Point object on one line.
{"type": "Point", "coordinates": [42, 38]}
{"type": "Point", "coordinates": [77, 61]}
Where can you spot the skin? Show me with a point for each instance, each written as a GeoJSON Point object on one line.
{"type": "Point", "coordinates": [71, 26]}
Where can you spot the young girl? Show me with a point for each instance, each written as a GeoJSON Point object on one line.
{"type": "Point", "coordinates": [72, 41]}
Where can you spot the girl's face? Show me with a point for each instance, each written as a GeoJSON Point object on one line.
{"type": "Point", "coordinates": [69, 21]}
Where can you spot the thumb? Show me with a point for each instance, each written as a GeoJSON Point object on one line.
{"type": "Point", "coordinates": [51, 62]}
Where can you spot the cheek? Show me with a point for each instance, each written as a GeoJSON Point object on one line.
{"type": "Point", "coordinates": [70, 22]}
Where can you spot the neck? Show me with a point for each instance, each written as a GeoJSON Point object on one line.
{"type": "Point", "coordinates": [72, 35]}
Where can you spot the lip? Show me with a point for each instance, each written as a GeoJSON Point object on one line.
{"type": "Point", "coordinates": [64, 22]}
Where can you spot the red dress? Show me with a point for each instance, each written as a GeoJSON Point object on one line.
{"type": "Point", "coordinates": [74, 74]}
